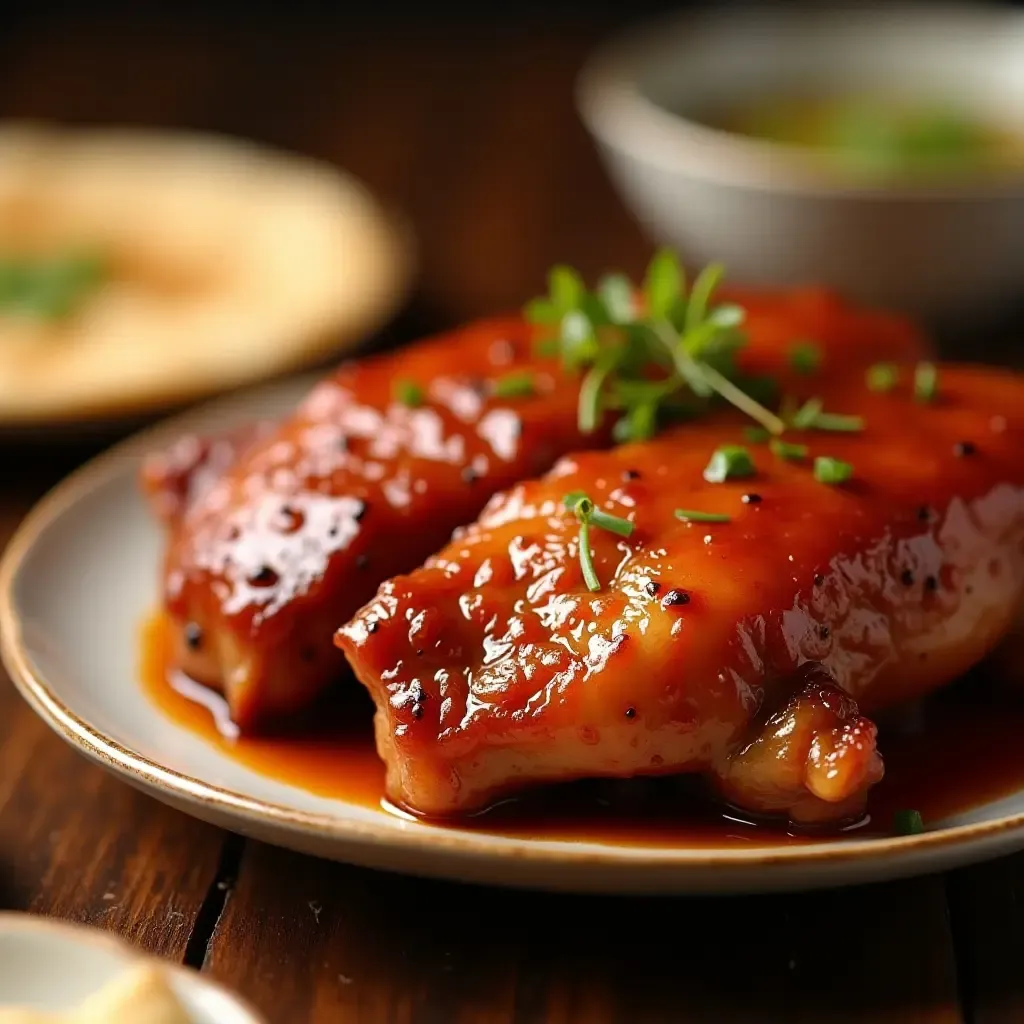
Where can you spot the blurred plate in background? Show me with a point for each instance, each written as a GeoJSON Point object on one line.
{"type": "Point", "coordinates": [140, 270]}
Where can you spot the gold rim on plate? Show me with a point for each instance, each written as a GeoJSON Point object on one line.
{"type": "Point", "coordinates": [368, 842]}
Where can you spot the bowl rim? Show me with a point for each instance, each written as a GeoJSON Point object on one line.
{"type": "Point", "coordinates": [622, 117]}
{"type": "Point", "coordinates": [17, 923]}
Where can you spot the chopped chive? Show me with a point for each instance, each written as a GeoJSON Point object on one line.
{"type": "Point", "coordinates": [805, 357]}
{"type": "Point", "coordinates": [408, 392]}
{"type": "Point", "coordinates": [588, 515]}
{"type": "Point", "coordinates": [926, 382]}
{"type": "Point", "coordinates": [586, 558]}
{"type": "Point", "coordinates": [756, 435]}
{"type": "Point", "coordinates": [882, 376]}
{"type": "Point", "coordinates": [908, 823]}
{"type": "Point", "coordinates": [514, 385]}
{"type": "Point", "coordinates": [613, 524]}
{"type": "Point", "coordinates": [811, 415]}
{"type": "Point", "coordinates": [828, 470]}
{"type": "Point", "coordinates": [729, 462]}
{"type": "Point", "coordinates": [807, 413]}
{"type": "Point", "coordinates": [688, 515]}
{"type": "Point", "coordinates": [838, 422]}
{"type": "Point", "coordinates": [787, 450]}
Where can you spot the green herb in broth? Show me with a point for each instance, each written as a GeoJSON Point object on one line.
{"type": "Point", "coordinates": [876, 133]}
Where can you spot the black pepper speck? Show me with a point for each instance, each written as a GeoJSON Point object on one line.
{"type": "Point", "coordinates": [372, 626]}
{"type": "Point", "coordinates": [819, 580]}
{"type": "Point", "coordinates": [931, 583]}
{"type": "Point", "coordinates": [362, 561]}
{"type": "Point", "coordinates": [631, 712]}
{"type": "Point", "coordinates": [924, 513]}
{"type": "Point", "coordinates": [417, 711]}
{"type": "Point", "coordinates": [264, 576]}
{"type": "Point", "coordinates": [964, 448]}
{"type": "Point", "coordinates": [751, 499]}
{"type": "Point", "coordinates": [824, 632]}
{"type": "Point", "coordinates": [193, 636]}
{"type": "Point", "coordinates": [653, 586]}
{"type": "Point", "coordinates": [360, 511]}
{"type": "Point", "coordinates": [675, 597]}
{"type": "Point", "coordinates": [469, 475]}
{"type": "Point", "coordinates": [907, 577]}
{"type": "Point", "coordinates": [630, 474]}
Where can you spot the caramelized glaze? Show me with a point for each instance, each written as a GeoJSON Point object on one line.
{"type": "Point", "coordinates": [493, 667]}
{"type": "Point", "coordinates": [960, 749]}
{"type": "Point", "coordinates": [276, 538]}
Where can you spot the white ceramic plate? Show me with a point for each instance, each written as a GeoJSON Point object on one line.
{"type": "Point", "coordinates": [82, 573]}
{"type": "Point", "coordinates": [51, 966]}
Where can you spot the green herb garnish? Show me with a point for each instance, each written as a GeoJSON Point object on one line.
{"type": "Point", "coordinates": [667, 356]}
{"type": "Point", "coordinates": [514, 385]}
{"type": "Point", "coordinates": [589, 515]}
{"type": "Point", "coordinates": [882, 376]}
{"type": "Point", "coordinates": [787, 450]}
{"type": "Point", "coordinates": [926, 382]}
{"type": "Point", "coordinates": [49, 289]}
{"type": "Point", "coordinates": [811, 416]}
{"type": "Point", "coordinates": [688, 515]}
{"type": "Point", "coordinates": [805, 357]}
{"type": "Point", "coordinates": [838, 422]}
{"type": "Point", "coordinates": [730, 462]}
{"type": "Point", "coordinates": [805, 416]}
{"type": "Point", "coordinates": [831, 471]}
{"type": "Point", "coordinates": [756, 435]}
{"type": "Point", "coordinates": [408, 392]}
{"type": "Point", "coordinates": [908, 823]}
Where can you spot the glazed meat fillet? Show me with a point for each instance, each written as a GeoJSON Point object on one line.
{"type": "Point", "coordinates": [747, 650]}
{"type": "Point", "coordinates": [279, 532]}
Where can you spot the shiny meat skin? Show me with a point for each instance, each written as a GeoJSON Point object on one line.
{"type": "Point", "coordinates": [269, 550]}
{"type": "Point", "coordinates": [493, 667]}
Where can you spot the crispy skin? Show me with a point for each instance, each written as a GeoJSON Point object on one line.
{"type": "Point", "coordinates": [494, 668]}
{"type": "Point", "coordinates": [271, 546]}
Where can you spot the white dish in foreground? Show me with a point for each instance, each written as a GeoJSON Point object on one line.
{"type": "Point", "coordinates": [50, 966]}
{"type": "Point", "coordinates": [82, 573]}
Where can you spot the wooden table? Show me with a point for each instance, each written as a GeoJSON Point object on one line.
{"type": "Point", "coordinates": [472, 132]}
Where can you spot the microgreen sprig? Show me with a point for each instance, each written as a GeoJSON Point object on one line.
{"type": "Point", "coordinates": [588, 514]}
{"type": "Point", "coordinates": [664, 353]}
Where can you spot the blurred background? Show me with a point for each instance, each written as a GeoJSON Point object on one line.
{"type": "Point", "coordinates": [463, 119]}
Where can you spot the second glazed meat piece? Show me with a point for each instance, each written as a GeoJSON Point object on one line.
{"type": "Point", "coordinates": [494, 667]}
{"type": "Point", "coordinates": [275, 537]}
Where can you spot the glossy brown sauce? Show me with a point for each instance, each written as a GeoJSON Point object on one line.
{"type": "Point", "coordinates": [959, 750]}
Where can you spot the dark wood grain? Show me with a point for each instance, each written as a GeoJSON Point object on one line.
{"type": "Point", "coordinates": [987, 912]}
{"type": "Point", "coordinates": [311, 941]}
{"type": "Point", "coordinates": [77, 844]}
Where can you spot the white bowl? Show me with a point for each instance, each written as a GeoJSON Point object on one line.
{"type": "Point", "coordinates": [51, 966]}
{"type": "Point", "coordinates": [777, 215]}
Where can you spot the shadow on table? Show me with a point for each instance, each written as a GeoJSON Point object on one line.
{"type": "Point", "coordinates": [298, 935]}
